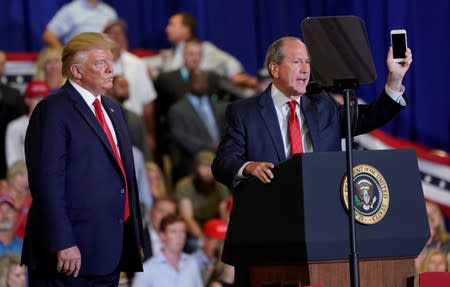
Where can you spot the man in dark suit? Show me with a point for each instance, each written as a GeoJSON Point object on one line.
{"type": "Point", "coordinates": [265, 130]}
{"type": "Point", "coordinates": [173, 86]}
{"type": "Point", "coordinates": [196, 123]}
{"type": "Point", "coordinates": [12, 106]}
{"type": "Point", "coordinates": [84, 225]}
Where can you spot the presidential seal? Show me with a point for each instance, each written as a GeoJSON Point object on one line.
{"type": "Point", "coordinates": [371, 194]}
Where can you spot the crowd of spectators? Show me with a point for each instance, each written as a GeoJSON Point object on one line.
{"type": "Point", "coordinates": [175, 112]}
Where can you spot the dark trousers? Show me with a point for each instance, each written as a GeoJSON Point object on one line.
{"type": "Point", "coordinates": [39, 279]}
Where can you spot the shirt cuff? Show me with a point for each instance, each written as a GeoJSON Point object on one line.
{"type": "Point", "coordinates": [397, 96]}
{"type": "Point", "coordinates": [240, 174]}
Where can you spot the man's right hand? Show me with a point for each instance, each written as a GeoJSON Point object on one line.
{"type": "Point", "coordinates": [69, 261]}
{"type": "Point", "coordinates": [260, 170]}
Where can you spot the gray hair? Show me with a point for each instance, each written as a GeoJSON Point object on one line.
{"type": "Point", "coordinates": [275, 53]}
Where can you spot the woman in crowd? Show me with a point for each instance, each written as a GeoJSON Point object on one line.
{"type": "Point", "coordinates": [48, 68]}
{"type": "Point", "coordinates": [11, 273]}
{"type": "Point", "coordinates": [19, 190]}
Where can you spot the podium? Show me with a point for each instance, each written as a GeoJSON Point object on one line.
{"type": "Point", "coordinates": [295, 229]}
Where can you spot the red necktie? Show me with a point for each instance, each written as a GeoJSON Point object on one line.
{"type": "Point", "coordinates": [295, 134]}
{"type": "Point", "coordinates": [101, 119]}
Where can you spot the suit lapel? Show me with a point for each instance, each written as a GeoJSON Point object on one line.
{"type": "Point", "coordinates": [312, 120]}
{"type": "Point", "coordinates": [88, 115]}
{"type": "Point", "coordinates": [268, 113]}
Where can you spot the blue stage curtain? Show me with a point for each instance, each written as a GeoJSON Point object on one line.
{"type": "Point", "coordinates": [246, 28]}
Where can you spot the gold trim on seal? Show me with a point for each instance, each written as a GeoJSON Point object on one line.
{"type": "Point", "coordinates": [371, 194]}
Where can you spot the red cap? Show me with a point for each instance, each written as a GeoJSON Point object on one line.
{"type": "Point", "coordinates": [215, 228]}
{"type": "Point", "coordinates": [37, 89]}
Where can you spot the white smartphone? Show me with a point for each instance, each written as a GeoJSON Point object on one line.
{"type": "Point", "coordinates": [399, 44]}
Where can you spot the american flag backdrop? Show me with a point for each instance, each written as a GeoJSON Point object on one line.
{"type": "Point", "coordinates": [434, 165]}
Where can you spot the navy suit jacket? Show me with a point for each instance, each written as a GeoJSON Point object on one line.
{"type": "Point", "coordinates": [253, 132]}
{"type": "Point", "coordinates": [77, 188]}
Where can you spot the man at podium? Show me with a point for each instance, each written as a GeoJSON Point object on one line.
{"type": "Point", "coordinates": [267, 129]}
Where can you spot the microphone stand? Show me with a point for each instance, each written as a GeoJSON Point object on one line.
{"type": "Point", "coordinates": [347, 86]}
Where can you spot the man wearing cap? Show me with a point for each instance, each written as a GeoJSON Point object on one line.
{"type": "Point", "coordinates": [9, 242]}
{"type": "Point", "coordinates": [214, 231]}
{"type": "Point", "coordinates": [16, 129]}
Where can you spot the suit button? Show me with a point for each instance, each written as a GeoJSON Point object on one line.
{"type": "Point", "coordinates": [121, 220]}
{"type": "Point", "coordinates": [122, 190]}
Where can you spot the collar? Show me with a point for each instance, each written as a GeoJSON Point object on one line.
{"type": "Point", "coordinates": [85, 94]}
{"type": "Point", "coordinates": [279, 98]}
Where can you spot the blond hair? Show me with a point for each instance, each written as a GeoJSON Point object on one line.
{"type": "Point", "coordinates": [80, 44]}
{"type": "Point", "coordinates": [7, 261]}
{"type": "Point", "coordinates": [430, 253]}
{"type": "Point", "coordinates": [45, 55]}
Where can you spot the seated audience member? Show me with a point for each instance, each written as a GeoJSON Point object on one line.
{"type": "Point", "coordinates": [156, 179]}
{"type": "Point", "coordinates": [49, 68]}
{"type": "Point", "coordinates": [16, 129]}
{"type": "Point", "coordinates": [200, 197]}
{"type": "Point", "coordinates": [171, 267]}
{"type": "Point", "coordinates": [11, 107]}
{"type": "Point", "coordinates": [181, 27]}
{"type": "Point", "coordinates": [9, 242]}
{"type": "Point", "coordinates": [19, 190]}
{"type": "Point", "coordinates": [196, 123]}
{"type": "Point", "coordinates": [214, 231]}
{"type": "Point", "coordinates": [435, 260]}
{"type": "Point", "coordinates": [439, 236]}
{"type": "Point", "coordinates": [76, 17]}
{"type": "Point", "coordinates": [161, 208]}
{"type": "Point", "coordinates": [136, 125]}
{"type": "Point", "coordinates": [173, 86]}
{"type": "Point", "coordinates": [12, 274]}
{"type": "Point", "coordinates": [141, 90]}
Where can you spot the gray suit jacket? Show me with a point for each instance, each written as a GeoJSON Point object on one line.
{"type": "Point", "coordinates": [188, 132]}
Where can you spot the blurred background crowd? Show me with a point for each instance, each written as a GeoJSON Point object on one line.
{"type": "Point", "coordinates": [175, 98]}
